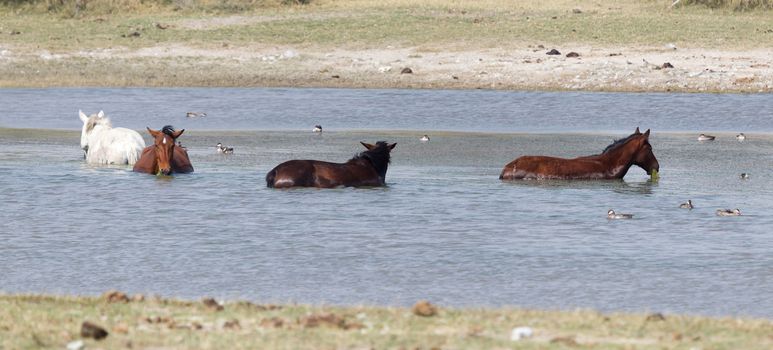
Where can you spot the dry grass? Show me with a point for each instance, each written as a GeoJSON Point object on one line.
{"type": "Point", "coordinates": [51, 322]}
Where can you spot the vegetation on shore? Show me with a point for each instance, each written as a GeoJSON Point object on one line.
{"type": "Point", "coordinates": [209, 42]}
{"type": "Point", "coordinates": [34, 321]}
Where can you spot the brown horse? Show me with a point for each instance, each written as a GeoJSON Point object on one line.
{"type": "Point", "coordinates": [365, 169]}
{"type": "Point", "coordinates": [612, 163]}
{"type": "Point", "coordinates": [163, 157]}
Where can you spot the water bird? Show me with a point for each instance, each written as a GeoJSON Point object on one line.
{"type": "Point", "coordinates": [317, 128]}
{"type": "Point", "coordinates": [612, 215]}
{"type": "Point", "coordinates": [740, 137]}
{"type": "Point", "coordinates": [744, 176]}
{"type": "Point", "coordinates": [728, 212]}
{"type": "Point", "coordinates": [195, 114]}
{"type": "Point", "coordinates": [687, 205]}
{"type": "Point", "coordinates": [704, 137]}
{"type": "Point", "coordinates": [424, 138]}
{"type": "Point", "coordinates": [224, 149]}
{"type": "Point", "coordinates": [180, 144]}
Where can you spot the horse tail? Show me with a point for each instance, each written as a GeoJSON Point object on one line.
{"type": "Point", "coordinates": [270, 178]}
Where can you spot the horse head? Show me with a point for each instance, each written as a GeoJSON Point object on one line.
{"type": "Point", "coordinates": [378, 155]}
{"type": "Point", "coordinates": [164, 143]}
{"type": "Point", "coordinates": [643, 156]}
{"type": "Point", "coordinates": [89, 123]}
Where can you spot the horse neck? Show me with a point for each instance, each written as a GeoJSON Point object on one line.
{"type": "Point", "coordinates": [99, 129]}
{"type": "Point", "coordinates": [620, 159]}
{"type": "Point", "coordinates": [379, 161]}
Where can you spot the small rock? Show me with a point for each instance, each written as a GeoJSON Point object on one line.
{"type": "Point", "coordinates": [519, 333]}
{"type": "Point", "coordinates": [336, 76]}
{"type": "Point", "coordinates": [232, 324]}
{"type": "Point", "coordinates": [553, 52]}
{"type": "Point", "coordinates": [615, 54]}
{"type": "Point", "coordinates": [667, 65]}
{"type": "Point", "coordinates": [212, 304]}
{"type": "Point", "coordinates": [573, 54]}
{"type": "Point", "coordinates": [406, 70]}
{"type": "Point", "coordinates": [289, 54]}
{"type": "Point", "coordinates": [313, 321]}
{"type": "Point", "coordinates": [656, 317]}
{"type": "Point", "coordinates": [384, 69]}
{"type": "Point", "coordinates": [14, 32]}
{"type": "Point", "coordinates": [576, 10]}
{"type": "Point", "coordinates": [114, 296]}
{"type": "Point", "coordinates": [568, 341]}
{"type": "Point", "coordinates": [423, 308]}
{"type": "Point", "coordinates": [90, 330]}
{"type": "Point", "coordinates": [671, 46]}
{"type": "Point", "coordinates": [540, 46]}
{"type": "Point", "coordinates": [75, 345]}
{"type": "Point", "coordinates": [162, 26]}
{"type": "Point", "coordinates": [274, 322]}
{"type": "Point", "coordinates": [454, 77]}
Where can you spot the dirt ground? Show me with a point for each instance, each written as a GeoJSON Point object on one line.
{"type": "Point", "coordinates": [666, 68]}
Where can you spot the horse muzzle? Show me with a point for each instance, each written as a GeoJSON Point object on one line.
{"type": "Point", "coordinates": [165, 172]}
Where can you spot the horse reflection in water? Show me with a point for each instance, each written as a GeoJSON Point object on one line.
{"type": "Point", "coordinates": [367, 169]}
{"type": "Point", "coordinates": [164, 157]}
{"type": "Point", "coordinates": [612, 163]}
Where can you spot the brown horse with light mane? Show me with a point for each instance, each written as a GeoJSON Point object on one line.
{"type": "Point", "coordinates": [367, 169]}
{"type": "Point", "coordinates": [164, 157]}
{"type": "Point", "coordinates": [612, 163]}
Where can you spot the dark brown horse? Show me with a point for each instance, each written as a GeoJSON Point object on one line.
{"type": "Point", "coordinates": [612, 163]}
{"type": "Point", "coordinates": [163, 157]}
{"type": "Point", "coordinates": [365, 169]}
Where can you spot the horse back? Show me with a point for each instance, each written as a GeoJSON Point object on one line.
{"type": "Point", "coordinates": [315, 173]}
{"type": "Point", "coordinates": [527, 167]}
{"type": "Point", "coordinates": [180, 162]}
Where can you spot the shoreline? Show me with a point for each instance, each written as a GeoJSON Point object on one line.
{"type": "Point", "coordinates": [151, 322]}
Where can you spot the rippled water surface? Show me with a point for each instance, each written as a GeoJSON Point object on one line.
{"type": "Point", "coordinates": [445, 228]}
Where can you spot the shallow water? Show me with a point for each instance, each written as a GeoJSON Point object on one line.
{"type": "Point", "coordinates": [445, 228]}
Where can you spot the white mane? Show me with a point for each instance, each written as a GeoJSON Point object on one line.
{"type": "Point", "coordinates": [103, 144]}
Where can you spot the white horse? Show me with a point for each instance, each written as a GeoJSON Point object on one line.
{"type": "Point", "coordinates": [103, 144]}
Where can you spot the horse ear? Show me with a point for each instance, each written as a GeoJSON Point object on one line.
{"type": "Point", "coordinates": [177, 133]}
{"type": "Point", "coordinates": [367, 145]}
{"type": "Point", "coordinates": [101, 114]}
{"type": "Point", "coordinates": [151, 131]}
{"type": "Point", "coordinates": [83, 117]}
{"type": "Point", "coordinates": [647, 133]}
{"type": "Point", "coordinates": [637, 132]}
{"type": "Point", "coordinates": [392, 146]}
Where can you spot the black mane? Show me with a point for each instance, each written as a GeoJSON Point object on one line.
{"type": "Point", "coordinates": [619, 142]}
{"type": "Point", "coordinates": [168, 129]}
{"type": "Point", "coordinates": [378, 156]}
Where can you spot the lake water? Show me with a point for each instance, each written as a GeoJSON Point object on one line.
{"type": "Point", "coordinates": [445, 229]}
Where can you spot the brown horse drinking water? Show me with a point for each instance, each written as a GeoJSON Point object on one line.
{"type": "Point", "coordinates": [365, 169]}
{"type": "Point", "coordinates": [612, 163]}
{"type": "Point", "coordinates": [163, 157]}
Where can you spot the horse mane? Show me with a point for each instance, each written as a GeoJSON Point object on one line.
{"type": "Point", "coordinates": [619, 142]}
{"type": "Point", "coordinates": [94, 120]}
{"type": "Point", "coordinates": [168, 129]}
{"type": "Point", "coordinates": [378, 156]}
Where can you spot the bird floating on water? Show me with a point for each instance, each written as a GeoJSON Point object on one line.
{"type": "Point", "coordinates": [740, 137]}
{"type": "Point", "coordinates": [424, 138]}
{"type": "Point", "coordinates": [704, 137]}
{"type": "Point", "coordinates": [687, 205]}
{"type": "Point", "coordinates": [195, 114]}
{"type": "Point", "coordinates": [317, 128]}
{"type": "Point", "coordinates": [744, 176]}
{"type": "Point", "coordinates": [612, 215]}
{"type": "Point", "coordinates": [728, 212]}
{"type": "Point", "coordinates": [224, 149]}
